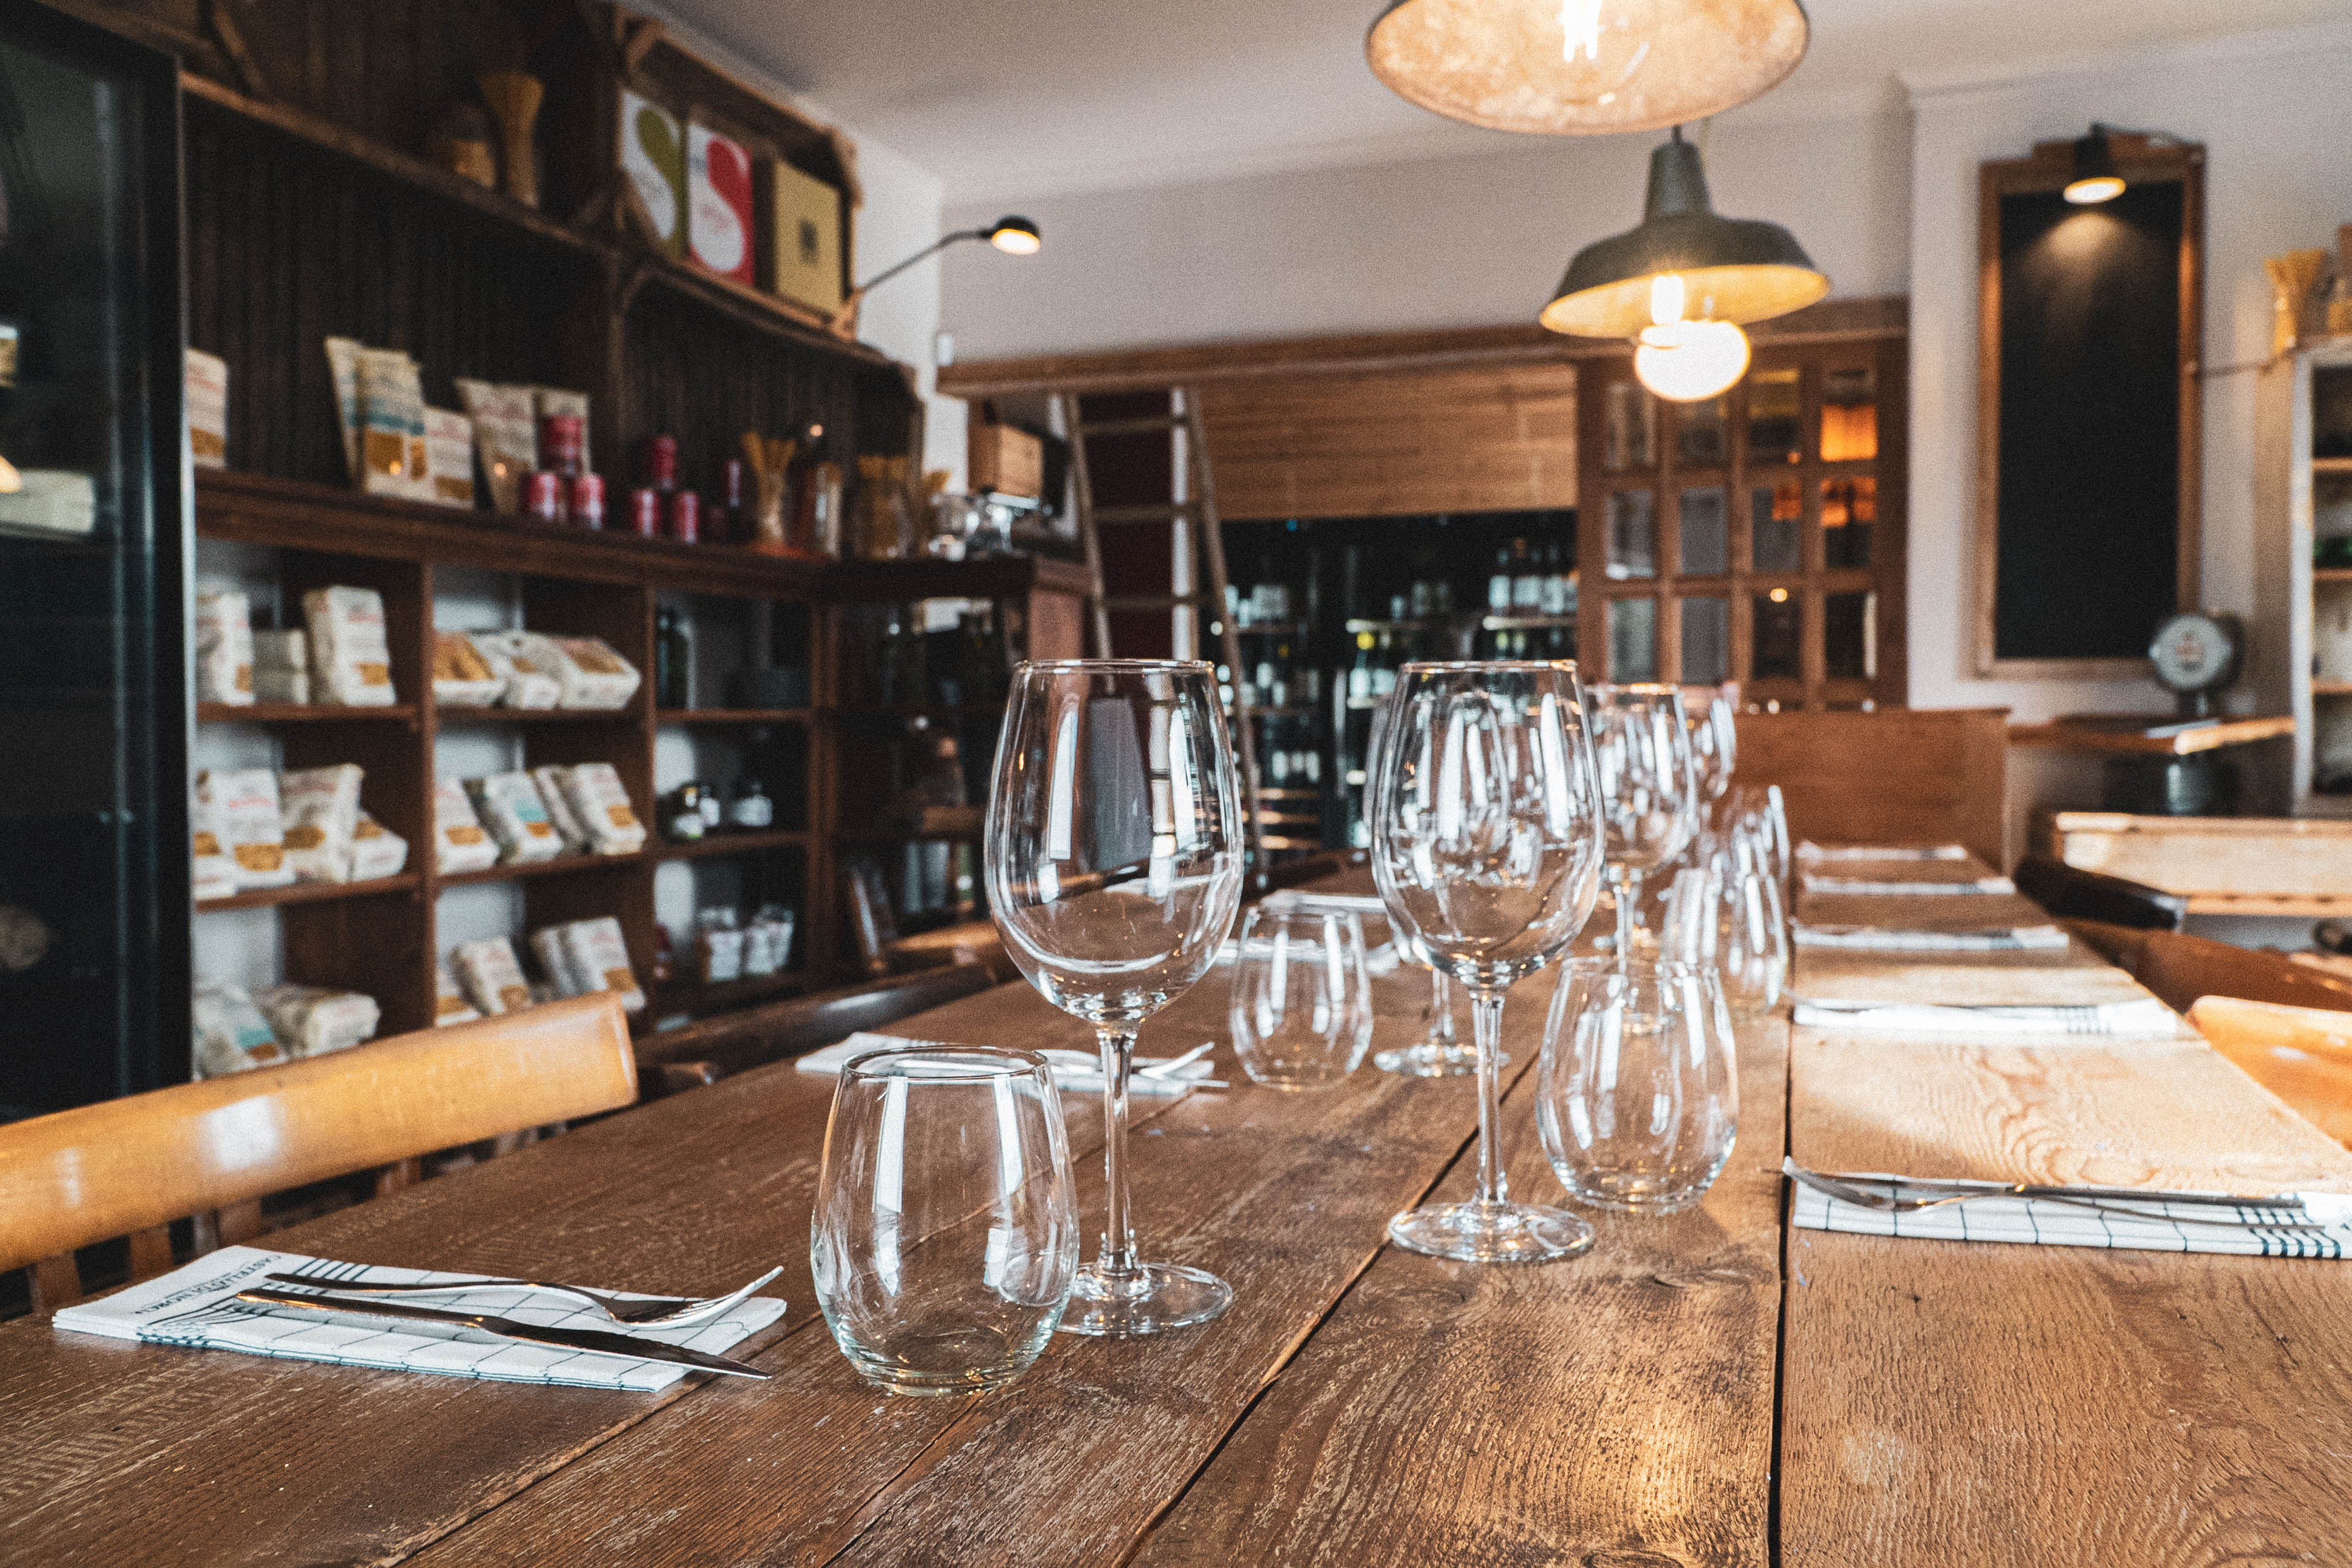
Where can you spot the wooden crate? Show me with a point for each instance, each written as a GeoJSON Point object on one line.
{"type": "Point", "coordinates": [1009, 461]}
{"type": "Point", "coordinates": [2225, 865]}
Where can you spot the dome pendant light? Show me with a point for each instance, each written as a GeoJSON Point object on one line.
{"type": "Point", "coordinates": [1580, 68]}
{"type": "Point", "coordinates": [1684, 283]}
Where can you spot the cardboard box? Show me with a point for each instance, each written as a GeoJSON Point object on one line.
{"type": "Point", "coordinates": [653, 156]}
{"type": "Point", "coordinates": [799, 222]}
{"type": "Point", "coordinates": [718, 203]}
{"type": "Point", "coordinates": [1010, 462]}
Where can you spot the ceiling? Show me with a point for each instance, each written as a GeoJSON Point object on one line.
{"type": "Point", "coordinates": [1005, 99]}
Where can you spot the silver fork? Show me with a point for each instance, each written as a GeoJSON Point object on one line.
{"type": "Point", "coordinates": [1862, 1197]}
{"type": "Point", "coordinates": [646, 1311]}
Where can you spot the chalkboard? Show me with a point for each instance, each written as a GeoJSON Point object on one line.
{"type": "Point", "coordinates": [2086, 528]}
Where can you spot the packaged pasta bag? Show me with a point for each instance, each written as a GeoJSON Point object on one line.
{"type": "Point", "coordinates": [215, 871]}
{"type": "Point", "coordinates": [448, 458]}
{"type": "Point", "coordinates": [492, 980]}
{"type": "Point", "coordinates": [231, 1034]}
{"type": "Point", "coordinates": [391, 426]}
{"type": "Point", "coordinates": [312, 1020]}
{"type": "Point", "coordinates": [555, 962]}
{"type": "Point", "coordinates": [449, 1003]}
{"type": "Point", "coordinates": [600, 960]}
{"type": "Point", "coordinates": [551, 794]}
{"type": "Point", "coordinates": [588, 673]}
{"type": "Point", "coordinates": [459, 841]}
{"type": "Point", "coordinates": [525, 679]}
{"type": "Point", "coordinates": [349, 655]}
{"type": "Point", "coordinates": [602, 803]}
{"type": "Point", "coordinates": [508, 804]}
{"type": "Point", "coordinates": [244, 808]}
{"type": "Point", "coordinates": [322, 808]}
{"type": "Point", "coordinates": [461, 677]}
{"type": "Point", "coordinates": [224, 647]}
{"type": "Point", "coordinates": [343, 370]}
{"type": "Point", "coordinates": [506, 438]}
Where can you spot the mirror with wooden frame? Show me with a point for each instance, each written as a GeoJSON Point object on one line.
{"type": "Point", "coordinates": [2087, 438]}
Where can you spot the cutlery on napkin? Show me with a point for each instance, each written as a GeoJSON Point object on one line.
{"type": "Point", "coordinates": [1072, 1070]}
{"type": "Point", "coordinates": [2147, 1018]}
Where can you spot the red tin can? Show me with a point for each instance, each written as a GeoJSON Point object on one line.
{"type": "Point", "coordinates": [563, 443]}
{"type": "Point", "coordinates": [587, 501]}
{"type": "Point", "coordinates": [645, 512]}
{"type": "Point", "coordinates": [549, 498]}
{"type": "Point", "coordinates": [685, 517]}
{"type": "Point", "coordinates": [658, 463]}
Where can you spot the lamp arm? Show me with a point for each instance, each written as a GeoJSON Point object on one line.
{"type": "Point", "coordinates": [930, 250]}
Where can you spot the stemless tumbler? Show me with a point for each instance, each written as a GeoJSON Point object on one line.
{"type": "Point", "coordinates": [1114, 864]}
{"type": "Point", "coordinates": [946, 1230]}
{"type": "Point", "coordinates": [1302, 1002]}
{"type": "Point", "coordinates": [1637, 1099]}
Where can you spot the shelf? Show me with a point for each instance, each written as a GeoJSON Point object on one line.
{"type": "Point", "coordinates": [2331, 688]}
{"type": "Point", "coordinates": [452, 714]}
{"type": "Point", "coordinates": [2073, 735]}
{"type": "Point", "coordinates": [967, 710]}
{"type": "Point", "coordinates": [2331, 465]}
{"type": "Point", "coordinates": [1526, 622]}
{"type": "Point", "coordinates": [311, 893]}
{"type": "Point", "coordinates": [754, 308]}
{"type": "Point", "coordinates": [734, 716]}
{"type": "Point", "coordinates": [562, 865]}
{"type": "Point", "coordinates": [729, 844]}
{"type": "Point", "coordinates": [303, 713]}
{"type": "Point", "coordinates": [2331, 574]}
{"type": "Point", "coordinates": [1271, 628]}
{"type": "Point", "coordinates": [890, 838]}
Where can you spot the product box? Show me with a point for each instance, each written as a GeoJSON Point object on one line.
{"type": "Point", "coordinates": [208, 396]}
{"type": "Point", "coordinates": [653, 156]}
{"type": "Point", "coordinates": [799, 222]}
{"type": "Point", "coordinates": [718, 203]}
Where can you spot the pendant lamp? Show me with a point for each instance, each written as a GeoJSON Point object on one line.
{"type": "Point", "coordinates": [1684, 283]}
{"type": "Point", "coordinates": [1579, 67]}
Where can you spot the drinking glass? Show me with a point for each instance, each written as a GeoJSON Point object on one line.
{"type": "Point", "coordinates": [1440, 1053]}
{"type": "Point", "coordinates": [1114, 866]}
{"type": "Point", "coordinates": [946, 1229]}
{"type": "Point", "coordinates": [1714, 738]}
{"type": "Point", "coordinates": [1302, 1000]}
{"type": "Point", "coordinates": [1758, 812]}
{"type": "Point", "coordinates": [1637, 1097]}
{"type": "Point", "coordinates": [1725, 913]}
{"type": "Point", "coordinates": [1641, 747]}
{"type": "Point", "coordinates": [1486, 847]}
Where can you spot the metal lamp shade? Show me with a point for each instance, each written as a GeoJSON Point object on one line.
{"type": "Point", "coordinates": [1733, 269]}
{"type": "Point", "coordinates": [1577, 67]}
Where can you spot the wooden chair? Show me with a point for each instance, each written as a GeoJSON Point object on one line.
{"type": "Point", "coordinates": [2303, 1055]}
{"type": "Point", "coordinates": [2071, 892]}
{"type": "Point", "coordinates": [131, 1166]}
{"type": "Point", "coordinates": [706, 1052]}
{"type": "Point", "coordinates": [1900, 775]}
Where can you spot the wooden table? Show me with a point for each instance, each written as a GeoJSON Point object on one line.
{"type": "Point", "coordinates": [1708, 1388]}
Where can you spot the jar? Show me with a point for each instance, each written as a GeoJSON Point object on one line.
{"type": "Point", "coordinates": [751, 808]}
{"type": "Point", "coordinates": [680, 816]}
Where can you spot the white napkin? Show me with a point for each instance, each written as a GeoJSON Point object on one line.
{"type": "Point", "coordinates": [1354, 903]}
{"type": "Point", "coordinates": [1882, 939]}
{"type": "Point", "coordinates": [2158, 1227]}
{"type": "Point", "coordinates": [1808, 851]}
{"type": "Point", "coordinates": [1815, 882]}
{"type": "Point", "coordinates": [193, 1306]}
{"type": "Point", "coordinates": [2145, 1017]}
{"type": "Point", "coordinates": [830, 1061]}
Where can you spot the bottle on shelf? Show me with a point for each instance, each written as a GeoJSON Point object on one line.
{"type": "Point", "coordinates": [1360, 673]}
{"type": "Point", "coordinates": [1527, 580]}
{"type": "Point", "coordinates": [673, 659]}
{"type": "Point", "coordinates": [1498, 586]}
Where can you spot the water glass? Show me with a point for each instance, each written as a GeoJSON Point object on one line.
{"type": "Point", "coordinates": [946, 1230]}
{"type": "Point", "coordinates": [1637, 1097]}
{"type": "Point", "coordinates": [1302, 999]}
{"type": "Point", "coordinates": [1649, 787]}
{"type": "Point", "coordinates": [1713, 737]}
{"type": "Point", "coordinates": [1758, 812]}
{"type": "Point", "coordinates": [1738, 929]}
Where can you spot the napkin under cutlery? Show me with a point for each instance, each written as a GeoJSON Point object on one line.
{"type": "Point", "coordinates": [1814, 882]}
{"type": "Point", "coordinates": [2146, 1017]}
{"type": "Point", "coordinates": [1140, 1080]}
{"type": "Point", "coordinates": [1888, 939]}
{"type": "Point", "coordinates": [1808, 851]}
{"type": "Point", "coordinates": [196, 1306]}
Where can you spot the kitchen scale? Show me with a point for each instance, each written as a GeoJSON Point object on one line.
{"type": "Point", "coordinates": [2196, 656]}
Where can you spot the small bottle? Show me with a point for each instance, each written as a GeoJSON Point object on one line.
{"type": "Point", "coordinates": [1527, 580]}
{"type": "Point", "coordinates": [735, 524]}
{"type": "Point", "coordinates": [1498, 586]}
{"type": "Point", "coordinates": [752, 810]}
{"type": "Point", "coordinates": [1359, 676]}
{"type": "Point", "coordinates": [673, 660]}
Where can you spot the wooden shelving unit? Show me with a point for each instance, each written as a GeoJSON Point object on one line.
{"type": "Point", "coordinates": [313, 893]}
{"type": "Point", "coordinates": [303, 713]}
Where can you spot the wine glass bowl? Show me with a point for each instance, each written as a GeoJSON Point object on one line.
{"type": "Point", "coordinates": [1641, 747]}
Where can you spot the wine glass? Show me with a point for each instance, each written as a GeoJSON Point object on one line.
{"type": "Point", "coordinates": [1487, 846]}
{"type": "Point", "coordinates": [1114, 867]}
{"type": "Point", "coordinates": [1715, 739]}
{"type": "Point", "coordinates": [1641, 741]}
{"type": "Point", "coordinates": [1725, 914]}
{"type": "Point", "coordinates": [1439, 1053]}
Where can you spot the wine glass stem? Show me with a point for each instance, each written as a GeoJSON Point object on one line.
{"type": "Point", "coordinates": [1119, 1233]}
{"type": "Point", "coordinates": [1629, 903]}
{"type": "Point", "coordinates": [1487, 1030]}
{"type": "Point", "coordinates": [1441, 1009]}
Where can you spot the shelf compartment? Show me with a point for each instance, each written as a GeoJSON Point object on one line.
{"type": "Point", "coordinates": [735, 716]}
{"type": "Point", "coordinates": [453, 714]}
{"type": "Point", "coordinates": [311, 893]}
{"type": "Point", "coordinates": [562, 865]}
{"type": "Point", "coordinates": [304, 713]}
{"type": "Point", "coordinates": [730, 844]}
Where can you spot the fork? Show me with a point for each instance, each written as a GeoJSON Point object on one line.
{"type": "Point", "coordinates": [639, 1312]}
{"type": "Point", "coordinates": [1862, 1197]}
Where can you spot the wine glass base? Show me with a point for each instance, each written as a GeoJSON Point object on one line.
{"type": "Point", "coordinates": [1492, 1233]}
{"type": "Point", "coordinates": [1154, 1299]}
{"type": "Point", "coordinates": [1433, 1058]}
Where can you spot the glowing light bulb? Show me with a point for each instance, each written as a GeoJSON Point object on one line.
{"type": "Point", "coordinates": [2098, 188]}
{"type": "Point", "coordinates": [1579, 28]}
{"type": "Point", "coordinates": [1668, 295]}
{"type": "Point", "coordinates": [1685, 361]}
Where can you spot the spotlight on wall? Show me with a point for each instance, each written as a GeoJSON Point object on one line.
{"type": "Point", "coordinates": [2095, 179]}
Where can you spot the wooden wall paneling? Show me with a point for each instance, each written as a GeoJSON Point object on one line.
{"type": "Point", "coordinates": [1894, 776]}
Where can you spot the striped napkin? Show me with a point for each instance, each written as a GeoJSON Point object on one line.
{"type": "Point", "coordinates": [193, 1306]}
{"type": "Point", "coordinates": [2013, 939]}
{"type": "Point", "coordinates": [1814, 882]}
{"type": "Point", "coordinates": [2154, 1226]}
{"type": "Point", "coordinates": [1808, 851]}
{"type": "Point", "coordinates": [2147, 1018]}
{"type": "Point", "coordinates": [1066, 1075]}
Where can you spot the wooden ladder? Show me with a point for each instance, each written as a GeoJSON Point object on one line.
{"type": "Point", "coordinates": [1198, 506]}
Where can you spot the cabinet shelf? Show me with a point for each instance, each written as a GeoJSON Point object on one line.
{"type": "Point", "coordinates": [734, 716]}
{"type": "Point", "coordinates": [403, 713]}
{"type": "Point", "coordinates": [448, 714]}
{"type": "Point", "coordinates": [311, 893]}
{"type": "Point", "coordinates": [562, 865]}
{"type": "Point", "coordinates": [730, 844]}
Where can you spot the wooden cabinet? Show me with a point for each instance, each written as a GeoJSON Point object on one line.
{"type": "Point", "coordinates": [2299, 648]}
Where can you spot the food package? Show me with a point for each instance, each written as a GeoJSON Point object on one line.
{"type": "Point", "coordinates": [449, 1003]}
{"type": "Point", "coordinates": [551, 795]}
{"type": "Point", "coordinates": [376, 850]}
{"type": "Point", "coordinates": [547, 400]}
{"type": "Point", "coordinates": [245, 807]}
{"type": "Point", "coordinates": [491, 978]}
{"type": "Point", "coordinates": [799, 219]}
{"type": "Point", "coordinates": [448, 458]}
{"type": "Point", "coordinates": [343, 370]}
{"type": "Point", "coordinates": [768, 940]}
{"type": "Point", "coordinates": [207, 393]}
{"type": "Point", "coordinates": [461, 677]}
{"type": "Point", "coordinates": [281, 666]}
{"type": "Point", "coordinates": [231, 1034]}
{"type": "Point", "coordinates": [555, 962]}
{"type": "Point", "coordinates": [459, 842]}
{"type": "Point", "coordinates": [215, 871]}
{"type": "Point", "coordinates": [506, 438]}
{"type": "Point", "coordinates": [312, 1020]}
{"type": "Point", "coordinates": [391, 426]}
{"type": "Point", "coordinates": [321, 807]}
{"type": "Point", "coordinates": [526, 681]}
{"type": "Point", "coordinates": [589, 674]}
{"type": "Point", "coordinates": [718, 203]}
{"type": "Point", "coordinates": [600, 960]}
{"type": "Point", "coordinates": [224, 647]}
{"type": "Point", "coordinates": [653, 155]}
{"type": "Point", "coordinates": [349, 657]}
{"type": "Point", "coordinates": [597, 798]}
{"type": "Point", "coordinates": [510, 806]}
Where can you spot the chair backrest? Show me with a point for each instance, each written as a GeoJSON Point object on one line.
{"type": "Point", "coordinates": [1899, 775]}
{"type": "Point", "coordinates": [2071, 892]}
{"type": "Point", "coordinates": [709, 1050]}
{"type": "Point", "coordinates": [129, 1165]}
{"type": "Point", "coordinates": [2303, 1055]}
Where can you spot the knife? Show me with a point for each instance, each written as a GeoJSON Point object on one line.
{"type": "Point", "coordinates": [594, 1341]}
{"type": "Point", "coordinates": [2329, 1208]}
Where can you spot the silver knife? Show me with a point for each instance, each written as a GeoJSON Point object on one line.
{"type": "Point", "coordinates": [2293, 1201]}
{"type": "Point", "coordinates": [595, 1342]}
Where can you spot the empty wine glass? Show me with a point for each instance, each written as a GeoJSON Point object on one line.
{"type": "Point", "coordinates": [1486, 847]}
{"type": "Point", "coordinates": [1302, 1003]}
{"type": "Point", "coordinates": [1758, 812]}
{"type": "Point", "coordinates": [1641, 747]}
{"type": "Point", "coordinates": [946, 1231]}
{"type": "Point", "coordinates": [1114, 866]}
{"type": "Point", "coordinates": [1439, 1053]}
{"type": "Point", "coordinates": [1714, 738]}
{"type": "Point", "coordinates": [1724, 913]}
{"type": "Point", "coordinates": [1637, 1095]}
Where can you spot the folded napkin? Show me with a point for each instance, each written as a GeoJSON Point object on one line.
{"type": "Point", "coordinates": [193, 1306]}
{"type": "Point", "coordinates": [1355, 903]}
{"type": "Point", "coordinates": [1066, 1075]}
{"type": "Point", "coordinates": [1808, 851]}
{"type": "Point", "coordinates": [1883, 939]}
{"type": "Point", "coordinates": [1841, 979]}
{"type": "Point", "coordinates": [1814, 882]}
{"type": "Point", "coordinates": [2149, 1017]}
{"type": "Point", "coordinates": [2156, 1227]}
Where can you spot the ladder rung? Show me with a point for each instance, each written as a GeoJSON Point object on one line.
{"type": "Point", "coordinates": [1130, 426]}
{"type": "Point", "coordinates": [1151, 601]}
{"type": "Point", "coordinates": [1151, 512]}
